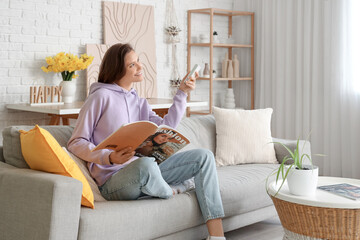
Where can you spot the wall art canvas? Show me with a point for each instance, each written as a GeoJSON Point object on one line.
{"type": "Point", "coordinates": [134, 24]}
{"type": "Point", "coordinates": [92, 72]}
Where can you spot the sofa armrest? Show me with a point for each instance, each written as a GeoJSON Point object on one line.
{"type": "Point", "coordinates": [38, 205]}
{"type": "Point", "coordinates": [281, 152]}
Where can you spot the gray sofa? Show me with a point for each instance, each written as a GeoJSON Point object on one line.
{"type": "Point", "coordinates": [39, 205]}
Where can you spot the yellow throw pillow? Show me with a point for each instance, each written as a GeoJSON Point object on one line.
{"type": "Point", "coordinates": [42, 152]}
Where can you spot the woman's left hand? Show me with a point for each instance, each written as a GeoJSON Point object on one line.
{"type": "Point", "coordinates": [189, 85]}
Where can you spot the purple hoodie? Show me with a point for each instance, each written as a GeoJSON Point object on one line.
{"type": "Point", "coordinates": [106, 109]}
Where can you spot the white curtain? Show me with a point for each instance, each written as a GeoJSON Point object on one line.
{"type": "Point", "coordinates": [307, 69]}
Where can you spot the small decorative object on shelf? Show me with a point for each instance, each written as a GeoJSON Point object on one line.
{"type": "Point", "coordinates": [236, 66]}
{"type": "Point", "coordinates": [67, 64]}
{"type": "Point", "coordinates": [206, 72]}
{"type": "Point", "coordinates": [215, 37]}
{"type": "Point", "coordinates": [224, 66]}
{"type": "Point", "coordinates": [230, 69]}
{"type": "Point", "coordinates": [214, 74]}
{"type": "Point", "coordinates": [229, 99]}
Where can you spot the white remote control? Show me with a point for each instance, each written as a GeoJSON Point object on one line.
{"type": "Point", "coordinates": [196, 68]}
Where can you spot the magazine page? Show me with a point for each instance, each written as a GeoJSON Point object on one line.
{"type": "Point", "coordinates": [343, 189]}
{"type": "Point", "coordinates": [128, 135]}
{"type": "Point", "coordinates": [161, 145]}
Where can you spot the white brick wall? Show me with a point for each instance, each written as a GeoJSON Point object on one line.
{"type": "Point", "coordinates": [30, 30]}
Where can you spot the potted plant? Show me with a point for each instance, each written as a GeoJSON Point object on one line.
{"type": "Point", "coordinates": [301, 177]}
{"type": "Point", "coordinates": [215, 37]}
{"type": "Point", "coordinates": [67, 64]}
{"type": "Point", "coordinates": [214, 74]}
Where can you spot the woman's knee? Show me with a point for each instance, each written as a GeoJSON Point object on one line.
{"type": "Point", "coordinates": [204, 155]}
{"type": "Point", "coordinates": [146, 165]}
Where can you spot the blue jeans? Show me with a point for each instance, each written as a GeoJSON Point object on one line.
{"type": "Point", "coordinates": [144, 176]}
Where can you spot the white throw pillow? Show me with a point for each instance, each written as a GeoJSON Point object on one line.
{"type": "Point", "coordinates": [243, 136]}
{"type": "Point", "coordinates": [82, 165]}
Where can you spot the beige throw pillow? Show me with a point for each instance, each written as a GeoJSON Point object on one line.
{"type": "Point", "coordinates": [243, 136]}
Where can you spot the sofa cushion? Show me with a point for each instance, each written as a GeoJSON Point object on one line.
{"type": "Point", "coordinates": [242, 189]}
{"type": "Point", "coordinates": [42, 152]}
{"type": "Point", "coordinates": [12, 147]}
{"type": "Point", "coordinates": [200, 130]}
{"type": "Point", "coordinates": [136, 219]}
{"type": "Point", "coordinates": [243, 136]}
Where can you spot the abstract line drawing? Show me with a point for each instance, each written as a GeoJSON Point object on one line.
{"type": "Point", "coordinates": [92, 72]}
{"type": "Point", "coordinates": [134, 24]}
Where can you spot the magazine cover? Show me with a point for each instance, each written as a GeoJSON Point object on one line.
{"type": "Point", "coordinates": [148, 140]}
{"type": "Point", "coordinates": [161, 145]}
{"type": "Point", "coordinates": [128, 135]}
{"type": "Point", "coordinates": [343, 189]}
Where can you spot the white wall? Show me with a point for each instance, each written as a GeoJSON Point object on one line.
{"type": "Point", "coordinates": [30, 30]}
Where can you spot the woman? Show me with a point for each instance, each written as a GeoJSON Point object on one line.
{"type": "Point", "coordinates": [113, 102]}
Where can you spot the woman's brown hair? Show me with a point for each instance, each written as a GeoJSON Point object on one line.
{"type": "Point", "coordinates": [113, 64]}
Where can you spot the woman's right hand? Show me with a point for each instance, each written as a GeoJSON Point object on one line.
{"type": "Point", "coordinates": [121, 156]}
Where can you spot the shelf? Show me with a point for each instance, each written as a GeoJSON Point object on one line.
{"type": "Point", "coordinates": [224, 45]}
{"type": "Point", "coordinates": [211, 45]}
{"type": "Point", "coordinates": [226, 79]}
{"type": "Point", "coordinates": [222, 12]}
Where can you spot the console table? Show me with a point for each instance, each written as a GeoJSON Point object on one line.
{"type": "Point", "coordinates": [71, 110]}
{"type": "Point", "coordinates": [322, 216]}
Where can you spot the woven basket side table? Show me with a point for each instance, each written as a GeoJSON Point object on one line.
{"type": "Point", "coordinates": [324, 216]}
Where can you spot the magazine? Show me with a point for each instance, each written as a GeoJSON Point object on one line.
{"type": "Point", "coordinates": [147, 138]}
{"type": "Point", "coordinates": [343, 189]}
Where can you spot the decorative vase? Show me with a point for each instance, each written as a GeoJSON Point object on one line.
{"type": "Point", "coordinates": [229, 99]}
{"type": "Point", "coordinates": [224, 65]}
{"type": "Point", "coordinates": [303, 182]}
{"type": "Point", "coordinates": [206, 72]}
{"type": "Point", "coordinates": [230, 70]}
{"type": "Point", "coordinates": [68, 91]}
{"type": "Point", "coordinates": [215, 39]}
{"type": "Point", "coordinates": [236, 66]}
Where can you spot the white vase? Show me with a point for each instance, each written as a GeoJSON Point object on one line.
{"type": "Point", "coordinates": [215, 39]}
{"type": "Point", "coordinates": [68, 91]}
{"type": "Point", "coordinates": [224, 65]}
{"type": "Point", "coordinates": [230, 70]}
{"type": "Point", "coordinates": [229, 99]}
{"type": "Point", "coordinates": [206, 72]}
{"type": "Point", "coordinates": [303, 182]}
{"type": "Point", "coordinates": [236, 66]}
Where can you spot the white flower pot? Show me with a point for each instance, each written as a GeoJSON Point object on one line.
{"type": "Point", "coordinates": [215, 38]}
{"type": "Point", "coordinates": [68, 91]}
{"type": "Point", "coordinates": [303, 182]}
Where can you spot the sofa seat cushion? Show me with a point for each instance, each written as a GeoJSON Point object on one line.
{"type": "Point", "coordinates": [140, 219]}
{"type": "Point", "coordinates": [242, 187]}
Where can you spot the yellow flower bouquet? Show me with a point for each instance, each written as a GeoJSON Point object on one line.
{"type": "Point", "coordinates": [67, 64]}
